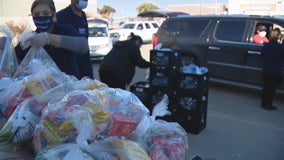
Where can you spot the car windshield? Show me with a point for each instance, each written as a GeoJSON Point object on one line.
{"type": "Point", "coordinates": [128, 26]}
{"type": "Point", "coordinates": [98, 32]}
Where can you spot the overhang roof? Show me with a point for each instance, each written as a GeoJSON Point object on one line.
{"type": "Point", "coordinates": [162, 13]}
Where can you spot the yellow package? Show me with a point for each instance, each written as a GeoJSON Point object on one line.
{"type": "Point", "coordinates": [129, 150]}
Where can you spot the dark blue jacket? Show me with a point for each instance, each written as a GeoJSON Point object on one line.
{"type": "Point", "coordinates": [273, 58]}
{"type": "Point", "coordinates": [65, 59]}
{"type": "Point", "coordinates": [66, 15]}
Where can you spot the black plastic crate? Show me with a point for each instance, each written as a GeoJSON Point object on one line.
{"type": "Point", "coordinates": [191, 101]}
{"type": "Point", "coordinates": [162, 79]}
{"type": "Point", "coordinates": [142, 91]}
{"type": "Point", "coordinates": [165, 60]}
{"type": "Point", "coordinates": [191, 122]}
{"type": "Point", "coordinates": [193, 82]}
{"type": "Point", "coordinates": [157, 95]}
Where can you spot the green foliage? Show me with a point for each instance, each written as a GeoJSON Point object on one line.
{"type": "Point", "coordinates": [146, 6]}
{"type": "Point", "coordinates": [107, 10]}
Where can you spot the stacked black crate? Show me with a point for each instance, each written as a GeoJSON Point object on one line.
{"type": "Point", "coordinates": [142, 90]}
{"type": "Point", "coordinates": [190, 102]}
{"type": "Point", "coordinates": [163, 73]}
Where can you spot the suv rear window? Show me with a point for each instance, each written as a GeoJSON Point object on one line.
{"type": "Point", "coordinates": [230, 30]}
{"type": "Point", "coordinates": [155, 25]}
{"type": "Point", "coordinates": [128, 26]}
{"type": "Point", "coordinates": [185, 28]}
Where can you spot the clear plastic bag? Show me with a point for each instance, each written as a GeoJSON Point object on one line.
{"type": "Point", "coordinates": [160, 109]}
{"type": "Point", "coordinates": [35, 60]}
{"type": "Point", "coordinates": [8, 59]}
{"type": "Point", "coordinates": [20, 125]}
{"type": "Point", "coordinates": [166, 140]}
{"type": "Point", "coordinates": [68, 151]}
{"type": "Point", "coordinates": [32, 85]}
{"type": "Point", "coordinates": [127, 111]}
{"type": "Point", "coordinates": [117, 148]}
{"type": "Point", "coordinates": [77, 117]}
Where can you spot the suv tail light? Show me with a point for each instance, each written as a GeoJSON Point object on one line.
{"type": "Point", "coordinates": [155, 41]}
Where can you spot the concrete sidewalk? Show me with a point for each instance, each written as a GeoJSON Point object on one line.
{"type": "Point", "coordinates": [238, 129]}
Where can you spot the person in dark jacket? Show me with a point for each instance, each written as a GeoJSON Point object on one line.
{"type": "Point", "coordinates": [74, 15]}
{"type": "Point", "coordinates": [273, 62]}
{"type": "Point", "coordinates": [61, 41]}
{"type": "Point", "coordinates": [118, 67]}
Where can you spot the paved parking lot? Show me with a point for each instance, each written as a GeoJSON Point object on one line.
{"type": "Point", "coordinates": [237, 128]}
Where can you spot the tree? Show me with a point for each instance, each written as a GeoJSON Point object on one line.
{"type": "Point", "coordinates": [106, 11]}
{"type": "Point", "coordinates": [146, 6]}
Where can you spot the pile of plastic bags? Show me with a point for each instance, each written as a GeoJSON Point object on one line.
{"type": "Point", "coordinates": [66, 118]}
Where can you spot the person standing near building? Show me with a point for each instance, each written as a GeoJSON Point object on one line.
{"type": "Point", "coordinates": [273, 63]}
{"type": "Point", "coordinates": [74, 15]}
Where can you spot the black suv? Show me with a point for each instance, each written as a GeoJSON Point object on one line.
{"type": "Point", "coordinates": [224, 44]}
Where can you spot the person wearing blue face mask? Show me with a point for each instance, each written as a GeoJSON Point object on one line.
{"type": "Point", "coordinates": [74, 15]}
{"type": "Point", "coordinates": [61, 41]}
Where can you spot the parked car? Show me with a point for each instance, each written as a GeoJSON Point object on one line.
{"type": "Point", "coordinates": [100, 42]}
{"type": "Point", "coordinates": [221, 43]}
{"type": "Point", "coordinates": [144, 29]}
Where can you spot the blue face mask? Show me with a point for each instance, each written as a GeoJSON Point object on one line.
{"type": "Point", "coordinates": [82, 4]}
{"type": "Point", "coordinates": [43, 23]}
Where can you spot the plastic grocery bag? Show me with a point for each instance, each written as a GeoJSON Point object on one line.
{"type": "Point", "coordinates": [81, 116]}
{"type": "Point", "coordinates": [77, 117]}
{"type": "Point", "coordinates": [119, 147]}
{"type": "Point", "coordinates": [111, 148]}
{"type": "Point", "coordinates": [8, 59]}
{"type": "Point", "coordinates": [159, 110]}
{"type": "Point", "coordinates": [127, 111]}
{"type": "Point", "coordinates": [35, 60]}
{"type": "Point", "coordinates": [32, 85]}
{"type": "Point", "coordinates": [68, 151]}
{"type": "Point", "coordinates": [166, 140]}
{"type": "Point", "coordinates": [20, 126]}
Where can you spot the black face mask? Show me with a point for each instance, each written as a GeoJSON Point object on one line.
{"type": "Point", "coordinates": [43, 23]}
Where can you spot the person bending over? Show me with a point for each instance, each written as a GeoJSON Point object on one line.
{"type": "Point", "coordinates": [118, 67]}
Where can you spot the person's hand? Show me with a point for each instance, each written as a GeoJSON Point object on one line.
{"type": "Point", "coordinates": [2, 42]}
{"type": "Point", "coordinates": [39, 40]}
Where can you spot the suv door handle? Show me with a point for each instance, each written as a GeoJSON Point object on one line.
{"type": "Point", "coordinates": [214, 48]}
{"type": "Point", "coordinates": [254, 52]}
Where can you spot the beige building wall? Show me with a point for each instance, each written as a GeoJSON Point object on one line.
{"type": "Point", "coordinates": [256, 7]}
{"type": "Point", "coordinates": [251, 7]}
{"type": "Point", "coordinates": [19, 10]}
{"type": "Point", "coordinates": [194, 9]}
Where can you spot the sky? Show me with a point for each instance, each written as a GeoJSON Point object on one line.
{"type": "Point", "coordinates": [127, 8]}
